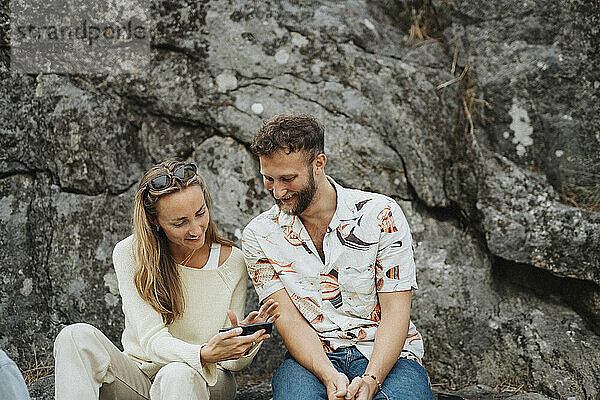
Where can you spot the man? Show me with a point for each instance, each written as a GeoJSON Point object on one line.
{"type": "Point", "coordinates": [339, 262]}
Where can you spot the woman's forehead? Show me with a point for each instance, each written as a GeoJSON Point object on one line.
{"type": "Point", "coordinates": [181, 203]}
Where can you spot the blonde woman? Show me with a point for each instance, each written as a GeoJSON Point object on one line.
{"type": "Point", "coordinates": [179, 281]}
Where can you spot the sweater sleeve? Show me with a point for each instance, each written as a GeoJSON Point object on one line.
{"type": "Point", "coordinates": [238, 302]}
{"type": "Point", "coordinates": [151, 334]}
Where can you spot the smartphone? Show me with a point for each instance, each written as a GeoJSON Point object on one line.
{"type": "Point", "coordinates": [250, 329]}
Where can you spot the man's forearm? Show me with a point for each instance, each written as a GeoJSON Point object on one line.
{"type": "Point", "coordinates": [391, 334]}
{"type": "Point", "coordinates": [301, 339]}
{"type": "Point", "coordinates": [305, 346]}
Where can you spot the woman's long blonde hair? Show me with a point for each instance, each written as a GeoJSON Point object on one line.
{"type": "Point", "coordinates": [156, 276]}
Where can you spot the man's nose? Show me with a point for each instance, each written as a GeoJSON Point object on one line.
{"type": "Point", "coordinates": [279, 190]}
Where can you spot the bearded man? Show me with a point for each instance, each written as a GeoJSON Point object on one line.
{"type": "Point", "coordinates": [340, 264]}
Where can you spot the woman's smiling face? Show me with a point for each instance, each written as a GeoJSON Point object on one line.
{"type": "Point", "coordinates": [184, 217]}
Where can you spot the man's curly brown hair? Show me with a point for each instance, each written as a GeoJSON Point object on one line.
{"type": "Point", "coordinates": [290, 133]}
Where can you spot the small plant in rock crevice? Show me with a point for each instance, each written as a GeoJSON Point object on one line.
{"type": "Point", "coordinates": [415, 17]}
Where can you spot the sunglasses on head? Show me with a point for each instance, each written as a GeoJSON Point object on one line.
{"type": "Point", "coordinates": [183, 172]}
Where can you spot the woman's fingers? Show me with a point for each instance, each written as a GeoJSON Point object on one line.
{"type": "Point", "coordinates": [262, 337]}
{"type": "Point", "coordinates": [250, 318]}
{"type": "Point", "coordinates": [232, 344]}
{"type": "Point", "coordinates": [232, 318]}
{"type": "Point", "coordinates": [242, 344]}
{"type": "Point", "coordinates": [254, 337]}
{"type": "Point", "coordinates": [270, 307]}
{"type": "Point", "coordinates": [273, 317]}
{"type": "Point", "coordinates": [258, 337]}
{"type": "Point", "coordinates": [230, 333]}
{"type": "Point", "coordinates": [266, 310]}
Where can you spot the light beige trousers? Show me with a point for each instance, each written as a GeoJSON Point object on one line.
{"type": "Point", "coordinates": [88, 366]}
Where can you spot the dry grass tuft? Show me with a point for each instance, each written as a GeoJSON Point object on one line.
{"type": "Point", "coordinates": [510, 388]}
{"type": "Point", "coordinates": [454, 80]}
{"type": "Point", "coordinates": [36, 370]}
{"type": "Point", "coordinates": [417, 17]}
{"type": "Point", "coordinates": [584, 197]}
{"type": "Point", "coordinates": [417, 30]}
{"type": "Point", "coordinates": [469, 96]}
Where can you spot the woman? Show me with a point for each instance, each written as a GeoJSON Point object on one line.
{"type": "Point", "coordinates": [179, 281]}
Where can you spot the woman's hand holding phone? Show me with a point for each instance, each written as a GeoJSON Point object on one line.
{"type": "Point", "coordinates": [231, 344]}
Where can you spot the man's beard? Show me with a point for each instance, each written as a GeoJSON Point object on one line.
{"type": "Point", "coordinates": [303, 198]}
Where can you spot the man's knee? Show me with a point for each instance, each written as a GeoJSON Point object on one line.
{"type": "Point", "coordinates": [293, 381]}
{"type": "Point", "coordinates": [289, 371]}
{"type": "Point", "coordinates": [407, 380]}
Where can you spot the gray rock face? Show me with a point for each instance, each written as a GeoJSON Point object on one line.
{"type": "Point", "coordinates": [525, 223]}
{"type": "Point", "coordinates": [483, 204]}
{"type": "Point", "coordinates": [533, 63]}
{"type": "Point", "coordinates": [57, 252]}
{"type": "Point", "coordinates": [534, 97]}
{"type": "Point", "coordinates": [83, 121]}
{"type": "Point", "coordinates": [24, 309]}
{"type": "Point", "coordinates": [514, 337]}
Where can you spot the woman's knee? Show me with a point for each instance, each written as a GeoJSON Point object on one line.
{"type": "Point", "coordinates": [178, 380]}
{"type": "Point", "coordinates": [75, 334]}
{"type": "Point", "coordinates": [177, 372]}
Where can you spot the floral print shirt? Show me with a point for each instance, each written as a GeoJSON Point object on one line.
{"type": "Point", "coordinates": [368, 249]}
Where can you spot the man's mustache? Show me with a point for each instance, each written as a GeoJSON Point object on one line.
{"type": "Point", "coordinates": [273, 196]}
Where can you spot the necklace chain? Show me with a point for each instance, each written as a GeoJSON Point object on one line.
{"type": "Point", "coordinates": [188, 258]}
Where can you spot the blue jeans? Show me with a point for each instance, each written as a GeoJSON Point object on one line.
{"type": "Point", "coordinates": [12, 385]}
{"type": "Point", "coordinates": [407, 379]}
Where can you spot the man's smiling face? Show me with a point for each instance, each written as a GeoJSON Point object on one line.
{"type": "Point", "coordinates": [289, 178]}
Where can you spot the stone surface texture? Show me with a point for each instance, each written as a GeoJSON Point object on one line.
{"type": "Point", "coordinates": [496, 169]}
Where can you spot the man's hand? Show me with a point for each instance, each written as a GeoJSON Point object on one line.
{"type": "Point", "coordinates": [362, 388]}
{"type": "Point", "coordinates": [336, 385]}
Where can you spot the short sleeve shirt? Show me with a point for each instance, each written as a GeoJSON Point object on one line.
{"type": "Point", "coordinates": [367, 248]}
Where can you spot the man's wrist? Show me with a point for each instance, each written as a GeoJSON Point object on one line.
{"type": "Point", "coordinates": [327, 374]}
{"type": "Point", "coordinates": [372, 379]}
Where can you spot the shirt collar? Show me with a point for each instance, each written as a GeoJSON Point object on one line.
{"type": "Point", "coordinates": [344, 209]}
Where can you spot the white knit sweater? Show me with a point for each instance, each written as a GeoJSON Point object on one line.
{"type": "Point", "coordinates": [208, 295]}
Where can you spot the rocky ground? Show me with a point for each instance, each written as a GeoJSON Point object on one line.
{"type": "Point", "coordinates": [44, 390]}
